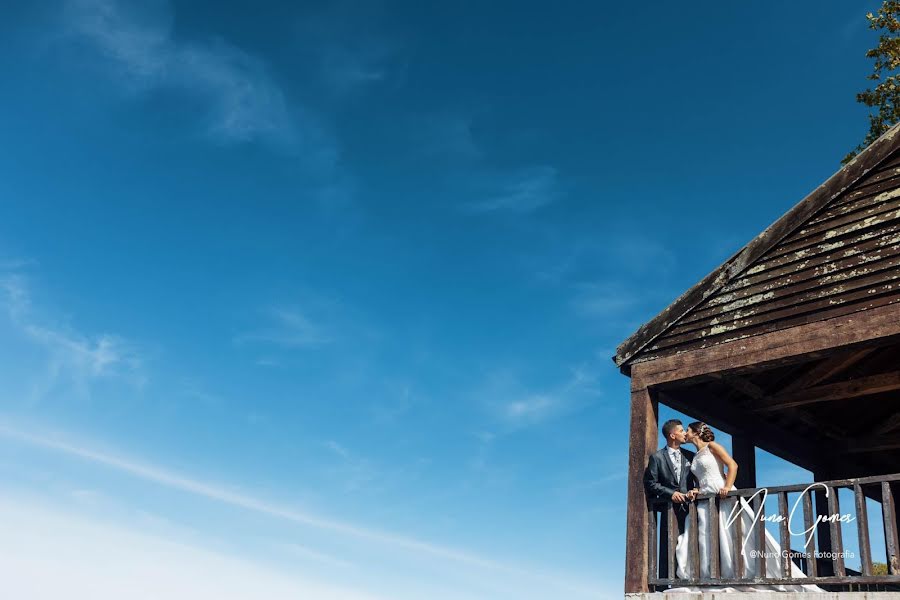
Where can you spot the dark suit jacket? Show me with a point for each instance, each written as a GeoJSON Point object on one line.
{"type": "Point", "coordinates": [659, 478]}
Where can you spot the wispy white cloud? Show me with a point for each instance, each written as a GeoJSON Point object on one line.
{"type": "Point", "coordinates": [515, 406]}
{"type": "Point", "coordinates": [533, 408]}
{"type": "Point", "coordinates": [176, 481]}
{"type": "Point", "coordinates": [287, 327]}
{"type": "Point", "coordinates": [351, 69]}
{"type": "Point", "coordinates": [73, 357]}
{"type": "Point", "coordinates": [337, 448]}
{"type": "Point", "coordinates": [193, 389]}
{"type": "Point", "coordinates": [93, 559]}
{"type": "Point", "coordinates": [16, 264]}
{"type": "Point", "coordinates": [349, 44]}
{"type": "Point", "coordinates": [241, 99]}
{"type": "Point", "coordinates": [603, 299]}
{"type": "Point", "coordinates": [307, 553]}
{"type": "Point", "coordinates": [446, 137]}
{"type": "Point", "coordinates": [521, 191]}
{"type": "Point", "coordinates": [353, 472]}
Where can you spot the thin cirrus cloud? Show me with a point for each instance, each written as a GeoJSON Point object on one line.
{"type": "Point", "coordinates": [93, 559]}
{"type": "Point", "coordinates": [72, 357]}
{"type": "Point", "coordinates": [515, 406]}
{"type": "Point", "coordinates": [171, 480]}
{"type": "Point", "coordinates": [242, 101]}
{"type": "Point", "coordinates": [602, 299]}
{"type": "Point", "coordinates": [348, 70]}
{"type": "Point", "coordinates": [286, 327]}
{"type": "Point", "coordinates": [522, 191]}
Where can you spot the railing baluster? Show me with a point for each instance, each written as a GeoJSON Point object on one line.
{"type": "Point", "coordinates": [694, 540]}
{"type": "Point", "coordinates": [714, 571]}
{"type": "Point", "coordinates": [785, 536]}
{"type": "Point", "coordinates": [837, 540]}
{"type": "Point", "coordinates": [892, 544]}
{"type": "Point", "coordinates": [862, 528]}
{"type": "Point", "coordinates": [651, 543]}
{"type": "Point", "coordinates": [737, 539]}
{"type": "Point", "coordinates": [673, 539]}
{"type": "Point", "coordinates": [759, 508]}
{"type": "Point", "coordinates": [810, 545]}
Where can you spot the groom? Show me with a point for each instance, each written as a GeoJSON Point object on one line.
{"type": "Point", "coordinates": [667, 479]}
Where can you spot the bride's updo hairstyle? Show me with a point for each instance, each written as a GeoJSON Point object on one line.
{"type": "Point", "coordinates": [703, 431]}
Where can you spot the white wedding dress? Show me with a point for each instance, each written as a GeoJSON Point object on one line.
{"type": "Point", "coordinates": [710, 474]}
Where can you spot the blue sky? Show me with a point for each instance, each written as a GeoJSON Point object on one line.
{"type": "Point", "coordinates": [321, 297]}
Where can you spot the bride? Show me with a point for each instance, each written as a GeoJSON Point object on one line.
{"type": "Point", "coordinates": [708, 467]}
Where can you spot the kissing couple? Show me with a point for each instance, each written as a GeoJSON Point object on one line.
{"type": "Point", "coordinates": [676, 476]}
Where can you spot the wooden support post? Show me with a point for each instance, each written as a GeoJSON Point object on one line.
{"type": "Point", "coordinates": [812, 569]}
{"type": "Point", "coordinates": [643, 439]}
{"type": "Point", "coordinates": [744, 453]}
{"type": "Point", "coordinates": [892, 543]}
{"type": "Point", "coordinates": [694, 541]}
{"type": "Point", "coordinates": [785, 537]}
{"type": "Point", "coordinates": [759, 508]}
{"type": "Point", "coordinates": [894, 488]}
{"type": "Point", "coordinates": [713, 526]}
{"type": "Point", "coordinates": [823, 529]}
{"type": "Point", "coordinates": [737, 539]}
{"type": "Point", "coordinates": [837, 538]}
{"type": "Point", "coordinates": [862, 531]}
{"type": "Point", "coordinates": [673, 542]}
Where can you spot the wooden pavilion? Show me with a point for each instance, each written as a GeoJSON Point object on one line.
{"type": "Point", "coordinates": [791, 346]}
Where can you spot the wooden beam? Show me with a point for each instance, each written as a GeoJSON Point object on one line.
{"type": "Point", "coordinates": [643, 440]}
{"type": "Point", "coordinates": [826, 428]}
{"type": "Point", "coordinates": [826, 369]}
{"type": "Point", "coordinates": [888, 426]}
{"type": "Point", "coordinates": [844, 390]}
{"type": "Point", "coordinates": [745, 386]}
{"type": "Point", "coordinates": [734, 420]}
{"type": "Point", "coordinates": [872, 444]}
{"type": "Point", "coordinates": [877, 326]}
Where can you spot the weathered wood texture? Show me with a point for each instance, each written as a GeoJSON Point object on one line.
{"type": "Point", "coordinates": [836, 253]}
{"type": "Point", "coordinates": [892, 540]}
{"type": "Point", "coordinates": [862, 530]}
{"type": "Point", "coordinates": [643, 438]}
{"type": "Point", "coordinates": [837, 538]}
{"type": "Point", "coordinates": [844, 390]}
{"type": "Point", "coordinates": [785, 535]}
{"type": "Point", "coordinates": [773, 348]}
{"type": "Point", "coordinates": [809, 545]}
{"type": "Point", "coordinates": [715, 567]}
{"type": "Point", "coordinates": [694, 539]}
{"type": "Point", "coordinates": [760, 535]}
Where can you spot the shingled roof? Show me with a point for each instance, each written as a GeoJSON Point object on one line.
{"type": "Point", "coordinates": [834, 253]}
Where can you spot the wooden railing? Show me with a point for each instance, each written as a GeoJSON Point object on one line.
{"type": "Point", "coordinates": [833, 573]}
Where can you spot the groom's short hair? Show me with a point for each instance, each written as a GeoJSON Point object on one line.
{"type": "Point", "coordinates": [670, 426]}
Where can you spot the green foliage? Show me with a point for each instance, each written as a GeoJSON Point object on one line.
{"type": "Point", "coordinates": [886, 95]}
{"type": "Point", "coordinates": [879, 568]}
